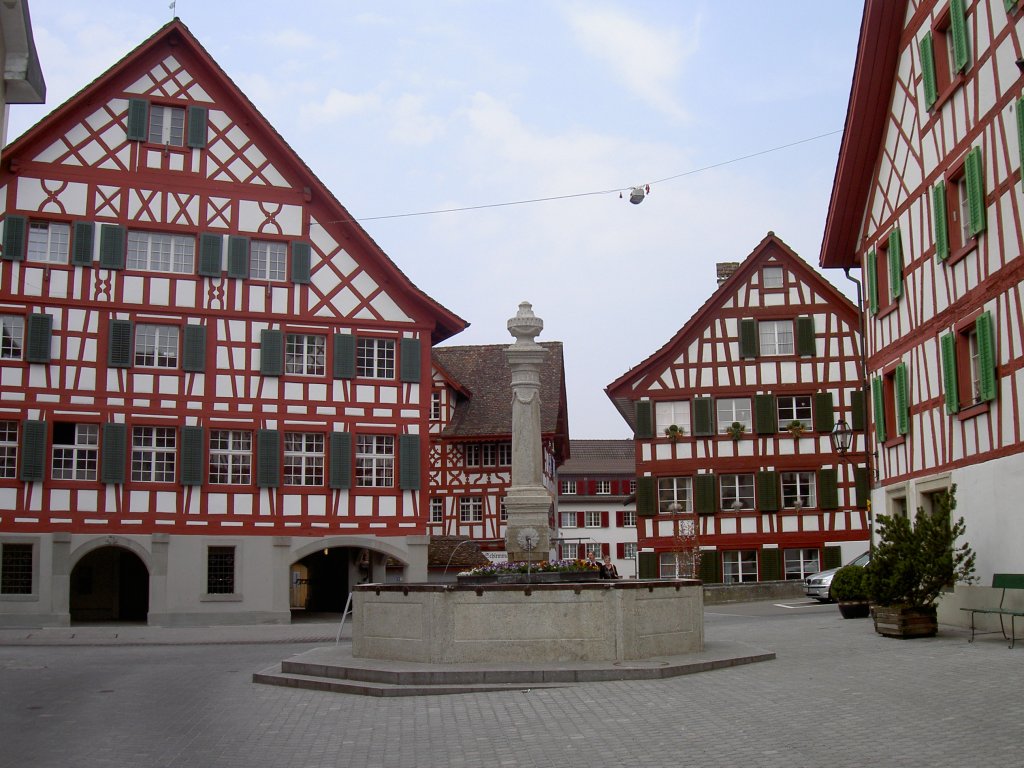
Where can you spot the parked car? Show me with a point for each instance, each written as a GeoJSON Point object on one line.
{"type": "Point", "coordinates": [819, 585]}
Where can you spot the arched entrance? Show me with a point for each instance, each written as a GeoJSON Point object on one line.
{"type": "Point", "coordinates": [319, 582]}
{"type": "Point", "coordinates": [109, 584]}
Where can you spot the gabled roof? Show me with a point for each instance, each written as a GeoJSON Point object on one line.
{"type": "Point", "coordinates": [631, 385]}
{"type": "Point", "coordinates": [874, 75]}
{"type": "Point", "coordinates": [483, 372]}
{"type": "Point", "coordinates": [174, 38]}
{"type": "Point", "coordinates": [600, 457]}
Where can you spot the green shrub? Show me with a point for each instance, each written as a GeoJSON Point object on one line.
{"type": "Point", "coordinates": [849, 584]}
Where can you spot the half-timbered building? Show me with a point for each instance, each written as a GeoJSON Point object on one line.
{"type": "Point", "coordinates": [927, 205]}
{"type": "Point", "coordinates": [471, 439]}
{"type": "Point", "coordinates": [732, 420]}
{"type": "Point", "coordinates": [216, 386]}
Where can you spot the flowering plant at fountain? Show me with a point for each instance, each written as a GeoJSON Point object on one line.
{"type": "Point", "coordinates": [544, 566]}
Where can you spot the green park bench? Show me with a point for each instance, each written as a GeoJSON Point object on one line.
{"type": "Point", "coordinates": [1001, 581]}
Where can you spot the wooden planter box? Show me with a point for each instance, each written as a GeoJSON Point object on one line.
{"type": "Point", "coordinates": [854, 609]}
{"type": "Point", "coordinates": [905, 623]}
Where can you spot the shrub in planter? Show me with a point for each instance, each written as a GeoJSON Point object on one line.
{"type": "Point", "coordinates": [850, 591]}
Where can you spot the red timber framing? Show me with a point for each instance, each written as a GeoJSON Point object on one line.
{"type": "Point", "coordinates": [201, 338]}
{"type": "Point", "coordinates": [932, 150]}
{"type": "Point", "coordinates": [775, 349]}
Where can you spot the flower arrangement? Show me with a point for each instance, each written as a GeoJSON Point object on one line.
{"type": "Point", "coordinates": [796, 428]}
{"type": "Point", "coordinates": [544, 566]}
{"type": "Point", "coordinates": [673, 432]}
{"type": "Point", "coordinates": [736, 430]}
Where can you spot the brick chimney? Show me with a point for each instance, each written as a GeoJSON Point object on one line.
{"type": "Point", "coordinates": [725, 270]}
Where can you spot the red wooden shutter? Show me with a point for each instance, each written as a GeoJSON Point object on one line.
{"type": "Point", "coordinates": [604, 519]}
{"type": "Point", "coordinates": [619, 519]}
{"type": "Point", "coordinates": [580, 519]}
{"type": "Point", "coordinates": [605, 549]}
{"type": "Point", "coordinates": [620, 550]}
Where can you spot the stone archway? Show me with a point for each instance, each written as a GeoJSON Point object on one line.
{"type": "Point", "coordinates": [110, 583]}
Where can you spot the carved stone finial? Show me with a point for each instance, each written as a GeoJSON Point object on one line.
{"type": "Point", "coordinates": [525, 326]}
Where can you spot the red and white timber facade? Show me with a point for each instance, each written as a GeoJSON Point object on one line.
{"type": "Point", "coordinates": [209, 372]}
{"type": "Point", "coordinates": [752, 384]}
{"type": "Point", "coordinates": [471, 440]}
{"type": "Point", "coordinates": [928, 205]}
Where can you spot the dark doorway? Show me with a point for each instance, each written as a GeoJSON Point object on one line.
{"type": "Point", "coordinates": [109, 584]}
{"type": "Point", "coordinates": [319, 582]}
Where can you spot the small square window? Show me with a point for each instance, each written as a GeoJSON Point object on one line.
{"type": "Point", "coordinates": [48, 242]}
{"type": "Point", "coordinates": [167, 125]}
{"type": "Point", "coordinates": [771, 277]}
{"type": "Point", "coordinates": [776, 337]}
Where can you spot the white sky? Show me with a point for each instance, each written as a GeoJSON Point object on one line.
{"type": "Point", "coordinates": [408, 106]}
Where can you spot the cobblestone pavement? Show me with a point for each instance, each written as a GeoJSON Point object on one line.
{"type": "Point", "coordinates": [837, 695]}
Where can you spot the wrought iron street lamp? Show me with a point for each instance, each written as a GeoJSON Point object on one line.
{"type": "Point", "coordinates": [842, 437]}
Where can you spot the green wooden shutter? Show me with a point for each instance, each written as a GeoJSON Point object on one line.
{"type": "Point", "coordinates": [410, 362]}
{"type": "Point", "coordinates": [1020, 135]}
{"type": "Point", "coordinates": [37, 338]}
{"type": "Point", "coordinates": [646, 496]}
{"type": "Point", "coordinates": [193, 358]}
{"type": "Point", "coordinates": [210, 248]}
{"type": "Point", "coordinates": [750, 341]}
{"type": "Point", "coordinates": [1009, 4]}
{"type": "Point", "coordinates": [987, 383]}
{"type": "Point", "coordinates": [33, 451]}
{"type": "Point", "coordinates": [901, 392]}
{"type": "Point", "coordinates": [871, 262]}
{"type": "Point", "coordinates": [409, 462]}
{"type": "Point", "coordinates": [878, 406]}
{"type": "Point", "coordinates": [958, 26]}
{"type": "Point", "coordinates": [941, 227]}
{"type": "Point", "coordinates": [647, 565]}
{"type": "Point", "coordinates": [644, 419]}
{"type": "Point", "coordinates": [862, 486]}
{"type": "Point", "coordinates": [709, 566]}
{"type": "Point", "coordinates": [705, 494]}
{"type": "Point", "coordinates": [832, 557]}
{"type": "Point", "coordinates": [344, 362]}
{"type": "Point", "coordinates": [894, 257]}
{"type": "Point", "coordinates": [931, 88]}
{"type": "Point", "coordinates": [197, 127]}
{"type": "Point", "coordinates": [974, 174]}
{"type": "Point", "coordinates": [268, 458]}
{"type": "Point", "coordinates": [824, 412]}
{"type": "Point", "coordinates": [14, 237]}
{"type": "Point", "coordinates": [271, 352]}
{"type": "Point", "coordinates": [857, 414]}
{"type": "Point", "coordinates": [771, 565]}
{"type": "Point", "coordinates": [768, 491]}
{"type": "Point", "coordinates": [950, 383]}
{"type": "Point", "coordinates": [828, 488]}
{"type": "Point", "coordinates": [703, 417]}
{"type": "Point", "coordinates": [82, 242]}
{"type": "Point", "coordinates": [192, 455]}
{"type": "Point", "coordinates": [114, 455]}
{"type": "Point", "coordinates": [340, 460]}
{"type": "Point", "coordinates": [300, 263]}
{"type": "Point", "coordinates": [120, 349]}
{"type": "Point", "coordinates": [111, 246]}
{"type": "Point", "coordinates": [238, 257]}
{"type": "Point", "coordinates": [766, 419]}
{"type": "Point", "coordinates": [138, 119]}
{"type": "Point", "coordinates": [805, 336]}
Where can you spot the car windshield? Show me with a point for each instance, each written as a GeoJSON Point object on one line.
{"type": "Point", "coordinates": [862, 560]}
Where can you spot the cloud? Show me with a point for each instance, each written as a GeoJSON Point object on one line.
{"type": "Point", "coordinates": [645, 59]}
{"type": "Point", "coordinates": [410, 125]}
{"type": "Point", "coordinates": [339, 105]}
{"type": "Point", "coordinates": [292, 39]}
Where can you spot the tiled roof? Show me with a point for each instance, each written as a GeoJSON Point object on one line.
{"type": "Point", "coordinates": [595, 457]}
{"type": "Point", "coordinates": [448, 551]}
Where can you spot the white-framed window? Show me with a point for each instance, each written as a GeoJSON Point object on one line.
{"type": "Point", "coordinates": [12, 335]}
{"type": "Point", "coordinates": [794, 408]}
{"type": "Point", "coordinates": [436, 509]}
{"type": "Point", "coordinates": [591, 519]}
{"type": "Point", "coordinates": [737, 492]}
{"type": "Point", "coordinates": [568, 520]}
{"type": "Point", "coordinates": [230, 457]}
{"type": "Point", "coordinates": [75, 451]}
{"type": "Point", "coordinates": [16, 568]}
{"type": "Point", "coordinates": [801, 563]}
{"type": "Point", "coordinates": [776, 337]}
{"type": "Point", "coordinates": [671, 413]}
{"type": "Point", "coordinates": [504, 454]}
{"type": "Point", "coordinates": [375, 461]}
{"type": "Point", "coordinates": [305, 354]}
{"type": "Point", "coordinates": [674, 490]}
{"type": "Point", "coordinates": [220, 570]}
{"type": "Point", "coordinates": [502, 511]}
{"type": "Point", "coordinates": [739, 566]}
{"type": "Point", "coordinates": [375, 358]}
{"type": "Point", "coordinates": [604, 487]}
{"type": "Point", "coordinates": [629, 550]}
{"type": "Point", "coordinates": [154, 453]}
{"type": "Point", "coordinates": [632, 485]}
{"type": "Point", "coordinates": [672, 565]}
{"type": "Point", "coordinates": [471, 509]}
{"type": "Point", "coordinates": [489, 454]}
{"type": "Point", "coordinates": [798, 490]}
{"type": "Point", "coordinates": [568, 487]}
{"type": "Point", "coordinates": [435, 406]}
{"type": "Point", "coordinates": [771, 277]}
{"type": "Point", "coordinates": [167, 125]}
{"type": "Point", "coordinates": [629, 518]}
{"type": "Point", "coordinates": [268, 260]}
{"type": "Point", "coordinates": [570, 550]}
{"type": "Point", "coordinates": [732, 409]}
{"type": "Point", "coordinates": [303, 458]}
{"type": "Point", "coordinates": [157, 252]}
{"type": "Point", "coordinates": [48, 242]}
{"type": "Point", "coordinates": [8, 450]}
{"type": "Point", "coordinates": [156, 346]}
{"type": "Point", "coordinates": [472, 454]}
{"type": "Point", "coordinates": [592, 548]}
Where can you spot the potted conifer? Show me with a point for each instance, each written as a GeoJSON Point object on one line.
{"type": "Point", "coordinates": [850, 591]}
